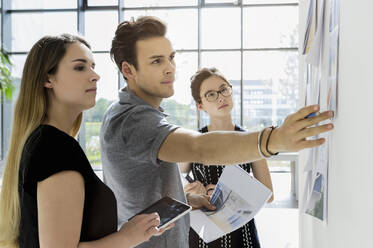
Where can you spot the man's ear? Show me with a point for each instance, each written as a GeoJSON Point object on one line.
{"type": "Point", "coordinates": [128, 70]}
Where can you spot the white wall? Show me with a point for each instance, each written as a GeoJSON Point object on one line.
{"type": "Point", "coordinates": [350, 199]}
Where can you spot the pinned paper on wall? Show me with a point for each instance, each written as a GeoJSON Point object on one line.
{"type": "Point", "coordinates": [310, 27]}
{"type": "Point", "coordinates": [312, 92]}
{"type": "Point", "coordinates": [313, 56]}
{"type": "Point", "coordinates": [315, 197]}
{"type": "Point", "coordinates": [316, 201]}
{"type": "Point", "coordinates": [316, 48]}
{"type": "Point", "coordinates": [333, 57]}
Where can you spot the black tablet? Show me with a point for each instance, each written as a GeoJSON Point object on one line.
{"type": "Point", "coordinates": [168, 209]}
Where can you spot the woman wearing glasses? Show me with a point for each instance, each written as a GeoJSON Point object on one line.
{"type": "Point", "coordinates": [213, 94]}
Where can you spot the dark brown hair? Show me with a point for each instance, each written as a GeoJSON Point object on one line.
{"type": "Point", "coordinates": [123, 46]}
{"type": "Point", "coordinates": [200, 76]}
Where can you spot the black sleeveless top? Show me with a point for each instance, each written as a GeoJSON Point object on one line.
{"type": "Point", "coordinates": [48, 151]}
{"type": "Point", "coordinates": [247, 235]}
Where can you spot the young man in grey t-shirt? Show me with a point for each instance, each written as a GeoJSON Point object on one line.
{"type": "Point", "coordinates": [140, 149]}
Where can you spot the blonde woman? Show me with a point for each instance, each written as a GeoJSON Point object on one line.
{"type": "Point", "coordinates": [50, 195]}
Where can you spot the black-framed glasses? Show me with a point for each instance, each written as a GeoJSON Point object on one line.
{"type": "Point", "coordinates": [213, 95]}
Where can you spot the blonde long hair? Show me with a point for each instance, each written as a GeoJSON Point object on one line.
{"type": "Point", "coordinates": [30, 111]}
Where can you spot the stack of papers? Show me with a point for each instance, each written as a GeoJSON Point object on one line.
{"type": "Point", "coordinates": [238, 197]}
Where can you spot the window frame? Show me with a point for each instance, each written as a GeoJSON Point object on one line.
{"type": "Point", "coordinates": [83, 7]}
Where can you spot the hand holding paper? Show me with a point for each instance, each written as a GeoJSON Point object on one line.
{"type": "Point", "coordinates": [238, 197]}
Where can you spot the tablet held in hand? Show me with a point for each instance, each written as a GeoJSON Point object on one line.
{"type": "Point", "coordinates": [168, 209]}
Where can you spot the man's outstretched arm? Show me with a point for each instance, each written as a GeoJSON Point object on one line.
{"type": "Point", "coordinates": [222, 147]}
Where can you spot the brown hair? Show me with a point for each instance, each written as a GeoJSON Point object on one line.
{"type": "Point", "coordinates": [123, 46]}
{"type": "Point", "coordinates": [200, 76]}
{"type": "Point", "coordinates": [30, 111]}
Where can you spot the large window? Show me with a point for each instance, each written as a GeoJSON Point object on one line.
{"type": "Point", "coordinates": [254, 43]}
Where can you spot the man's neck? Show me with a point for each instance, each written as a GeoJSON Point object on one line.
{"type": "Point", "coordinates": [149, 99]}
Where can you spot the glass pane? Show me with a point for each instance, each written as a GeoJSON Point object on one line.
{"type": "Point", "coordinates": [221, 28]}
{"type": "Point", "coordinates": [221, 1]}
{"type": "Point", "coordinates": [278, 27]}
{"type": "Point", "coordinates": [284, 190]}
{"type": "Point", "coordinates": [270, 87]}
{"type": "Point", "coordinates": [43, 4]}
{"type": "Point", "coordinates": [1, 25]}
{"type": "Point", "coordinates": [29, 28]}
{"type": "Point", "coordinates": [100, 31]}
{"type": "Point", "coordinates": [180, 106]}
{"type": "Point", "coordinates": [18, 61]}
{"type": "Point", "coordinates": [229, 64]}
{"type": "Point", "coordinates": [279, 165]}
{"type": "Point", "coordinates": [107, 92]}
{"type": "Point", "coordinates": [154, 3]}
{"type": "Point", "coordinates": [182, 25]}
{"type": "Point", "coordinates": [1, 138]}
{"type": "Point", "coordinates": [8, 106]}
{"type": "Point", "coordinates": [107, 86]}
{"type": "Point", "coordinates": [268, 1]}
{"type": "Point", "coordinates": [102, 3]}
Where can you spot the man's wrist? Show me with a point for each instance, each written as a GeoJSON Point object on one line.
{"type": "Point", "coordinates": [263, 142]}
{"type": "Point", "coordinates": [273, 145]}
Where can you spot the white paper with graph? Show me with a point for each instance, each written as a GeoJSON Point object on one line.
{"type": "Point", "coordinates": [238, 197]}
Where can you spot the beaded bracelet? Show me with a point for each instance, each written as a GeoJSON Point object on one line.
{"type": "Point", "coordinates": [269, 135]}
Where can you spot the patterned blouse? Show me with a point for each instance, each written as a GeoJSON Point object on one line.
{"type": "Point", "coordinates": [243, 237]}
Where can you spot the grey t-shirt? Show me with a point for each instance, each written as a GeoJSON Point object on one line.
{"type": "Point", "coordinates": [132, 133]}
